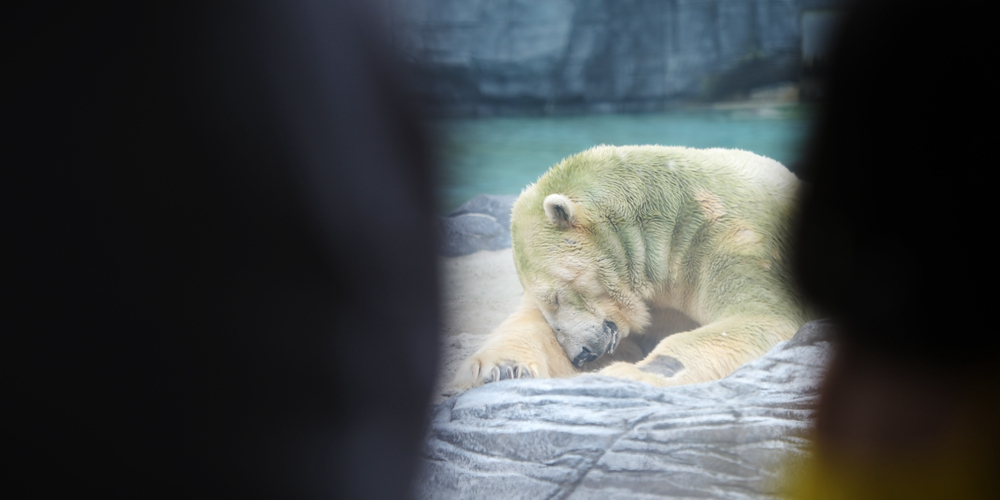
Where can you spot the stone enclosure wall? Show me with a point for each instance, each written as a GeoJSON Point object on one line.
{"type": "Point", "coordinates": [494, 56]}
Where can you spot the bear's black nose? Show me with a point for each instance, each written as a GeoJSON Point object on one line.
{"type": "Point", "coordinates": [585, 356]}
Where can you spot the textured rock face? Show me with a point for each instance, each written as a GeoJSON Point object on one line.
{"type": "Point", "coordinates": [482, 223]}
{"type": "Point", "coordinates": [598, 437]}
{"type": "Point", "coordinates": [489, 55]}
{"type": "Point", "coordinates": [497, 206]}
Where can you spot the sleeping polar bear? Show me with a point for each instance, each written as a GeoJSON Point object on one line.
{"type": "Point", "coordinates": [611, 235]}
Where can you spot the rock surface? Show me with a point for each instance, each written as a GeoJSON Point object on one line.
{"type": "Point", "coordinates": [482, 223]}
{"type": "Point", "coordinates": [497, 206]}
{"type": "Point", "coordinates": [598, 437]}
{"type": "Point", "coordinates": [488, 56]}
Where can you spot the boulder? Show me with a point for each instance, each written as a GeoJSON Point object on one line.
{"type": "Point", "coordinates": [482, 223]}
{"type": "Point", "coordinates": [598, 437]}
{"type": "Point", "coordinates": [496, 206]}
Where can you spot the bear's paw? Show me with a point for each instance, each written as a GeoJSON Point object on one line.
{"type": "Point", "coordinates": [487, 367]}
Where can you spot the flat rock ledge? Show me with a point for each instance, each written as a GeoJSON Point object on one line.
{"type": "Point", "coordinates": [482, 223]}
{"type": "Point", "coordinates": [600, 437]}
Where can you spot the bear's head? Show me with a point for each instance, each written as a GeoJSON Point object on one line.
{"type": "Point", "coordinates": [580, 284]}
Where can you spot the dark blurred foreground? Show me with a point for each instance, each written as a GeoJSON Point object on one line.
{"type": "Point", "coordinates": [226, 277]}
{"type": "Point", "coordinates": [893, 243]}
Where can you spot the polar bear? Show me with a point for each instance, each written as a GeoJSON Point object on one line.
{"type": "Point", "coordinates": [609, 236]}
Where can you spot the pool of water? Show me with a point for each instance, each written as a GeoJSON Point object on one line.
{"type": "Point", "coordinates": [503, 155]}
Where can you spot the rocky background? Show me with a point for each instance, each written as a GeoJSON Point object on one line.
{"type": "Point", "coordinates": [482, 223]}
{"type": "Point", "coordinates": [483, 57]}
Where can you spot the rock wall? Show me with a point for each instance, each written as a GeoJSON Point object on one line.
{"type": "Point", "coordinates": [490, 56]}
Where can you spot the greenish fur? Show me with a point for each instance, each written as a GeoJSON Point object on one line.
{"type": "Point", "coordinates": [640, 222]}
{"type": "Point", "coordinates": [612, 235]}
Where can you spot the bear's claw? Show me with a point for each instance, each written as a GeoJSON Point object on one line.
{"type": "Point", "coordinates": [476, 372]}
{"type": "Point", "coordinates": [505, 372]}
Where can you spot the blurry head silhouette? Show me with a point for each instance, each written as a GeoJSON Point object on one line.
{"type": "Point", "coordinates": [893, 244]}
{"type": "Point", "coordinates": [229, 282]}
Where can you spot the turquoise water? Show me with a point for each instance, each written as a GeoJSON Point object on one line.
{"type": "Point", "coordinates": [503, 155]}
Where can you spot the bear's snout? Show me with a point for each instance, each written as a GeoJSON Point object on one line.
{"type": "Point", "coordinates": [606, 344]}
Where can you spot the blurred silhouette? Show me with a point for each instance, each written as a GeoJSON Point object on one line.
{"type": "Point", "coordinates": [892, 244]}
{"type": "Point", "coordinates": [227, 284]}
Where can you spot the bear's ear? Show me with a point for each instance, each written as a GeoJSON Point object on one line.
{"type": "Point", "coordinates": [560, 210]}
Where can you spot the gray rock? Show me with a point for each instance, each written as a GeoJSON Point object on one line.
{"type": "Point", "coordinates": [599, 437]}
{"type": "Point", "coordinates": [469, 233]}
{"type": "Point", "coordinates": [496, 206]}
{"type": "Point", "coordinates": [482, 223]}
{"type": "Point", "coordinates": [484, 57]}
